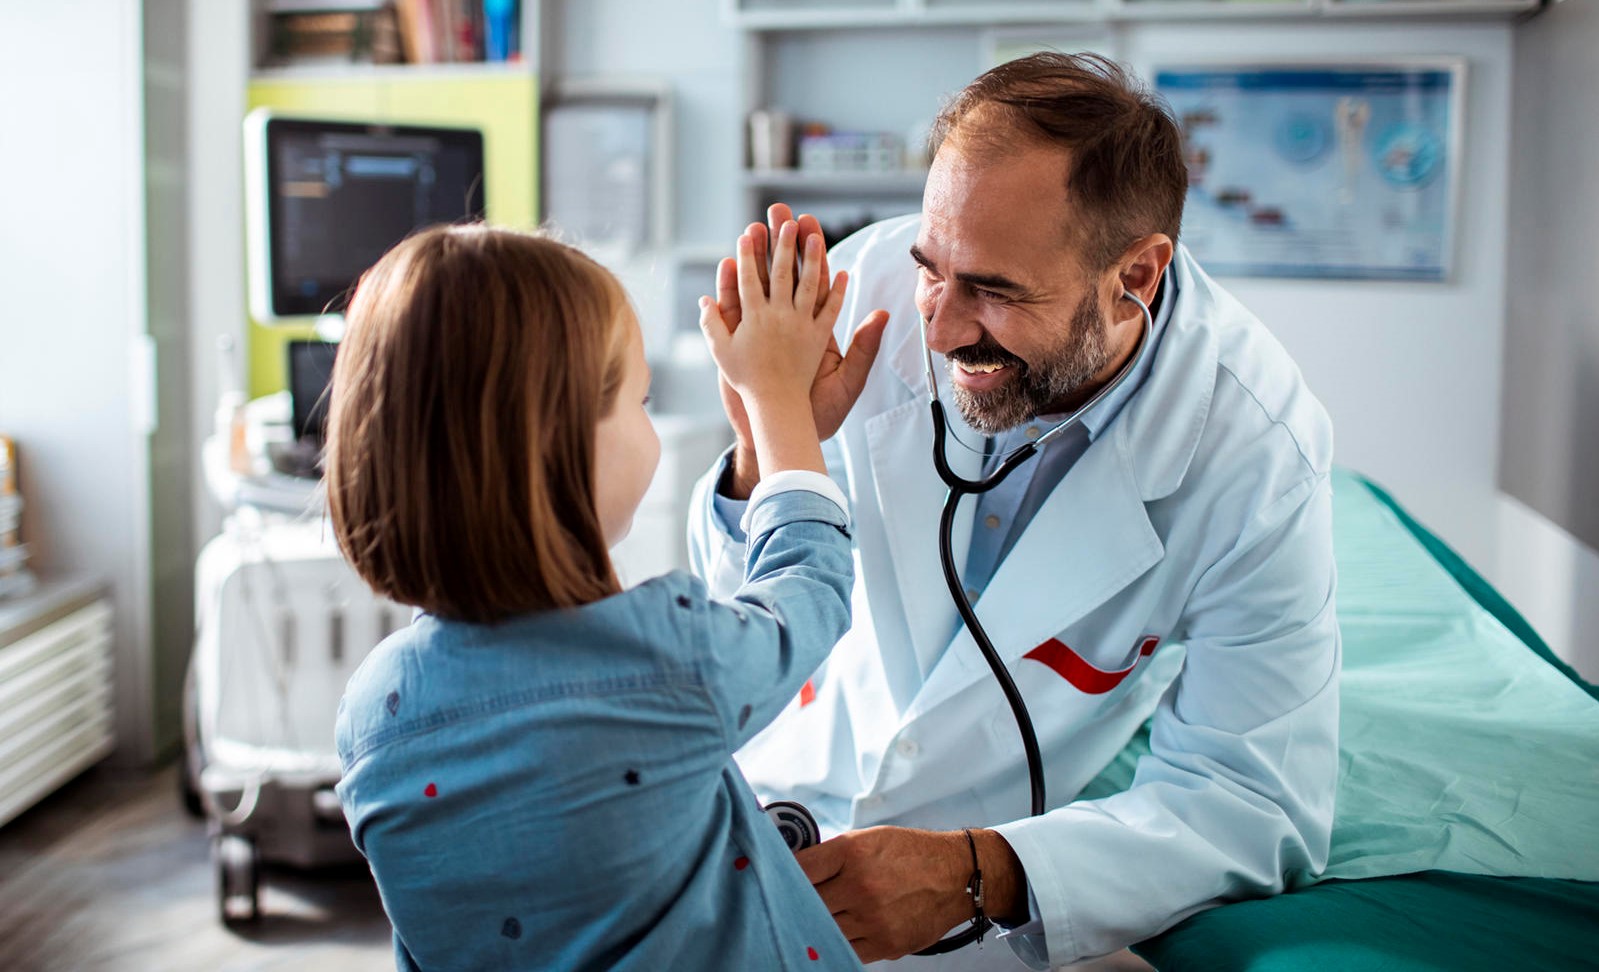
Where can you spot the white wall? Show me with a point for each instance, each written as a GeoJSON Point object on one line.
{"type": "Point", "coordinates": [73, 274]}
{"type": "Point", "coordinates": [1409, 371]}
{"type": "Point", "coordinates": [1549, 469]}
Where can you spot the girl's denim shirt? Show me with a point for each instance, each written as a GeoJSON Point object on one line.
{"type": "Point", "coordinates": [557, 791]}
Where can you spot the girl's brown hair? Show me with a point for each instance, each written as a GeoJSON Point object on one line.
{"type": "Point", "coordinates": [475, 366]}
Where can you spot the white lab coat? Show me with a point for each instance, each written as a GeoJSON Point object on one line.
{"type": "Point", "coordinates": [1201, 517]}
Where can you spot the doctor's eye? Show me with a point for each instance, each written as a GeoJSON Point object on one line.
{"type": "Point", "coordinates": [989, 295]}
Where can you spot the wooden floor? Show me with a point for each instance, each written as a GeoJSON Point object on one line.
{"type": "Point", "coordinates": [109, 873]}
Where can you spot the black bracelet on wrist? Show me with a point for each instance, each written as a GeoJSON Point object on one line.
{"type": "Point", "coordinates": [981, 923]}
{"type": "Point", "coordinates": [974, 887]}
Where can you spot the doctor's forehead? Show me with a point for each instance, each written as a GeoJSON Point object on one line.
{"type": "Point", "coordinates": [1005, 210]}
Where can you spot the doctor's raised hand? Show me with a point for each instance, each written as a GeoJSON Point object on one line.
{"type": "Point", "coordinates": [837, 379]}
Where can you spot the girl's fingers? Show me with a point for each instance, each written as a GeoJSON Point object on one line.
{"type": "Point", "coordinates": [810, 276]}
{"type": "Point", "coordinates": [810, 226]}
{"type": "Point", "coordinates": [717, 334]}
{"type": "Point", "coordinates": [763, 259]}
{"type": "Point", "coordinates": [727, 292]}
{"type": "Point", "coordinates": [782, 289]}
{"type": "Point", "coordinates": [751, 291]}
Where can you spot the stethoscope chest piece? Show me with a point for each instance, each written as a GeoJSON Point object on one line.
{"type": "Point", "coordinates": [795, 824]}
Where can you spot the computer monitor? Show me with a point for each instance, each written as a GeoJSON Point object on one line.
{"type": "Point", "coordinates": [310, 376]}
{"type": "Point", "coordinates": [326, 199]}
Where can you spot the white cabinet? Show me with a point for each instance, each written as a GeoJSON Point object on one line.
{"type": "Point", "coordinates": [55, 689]}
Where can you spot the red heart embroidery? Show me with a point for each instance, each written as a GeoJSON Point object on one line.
{"type": "Point", "coordinates": [807, 693]}
{"type": "Point", "coordinates": [431, 791]}
{"type": "Point", "coordinates": [741, 864]}
{"type": "Point", "coordinates": [811, 953]}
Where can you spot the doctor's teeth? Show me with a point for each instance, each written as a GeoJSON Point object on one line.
{"type": "Point", "coordinates": [983, 369]}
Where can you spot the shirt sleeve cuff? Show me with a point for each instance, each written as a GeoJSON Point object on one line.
{"type": "Point", "coordinates": [790, 480]}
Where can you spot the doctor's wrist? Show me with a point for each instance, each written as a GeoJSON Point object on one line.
{"type": "Point", "coordinates": [1004, 878]}
{"type": "Point", "coordinates": [742, 473]}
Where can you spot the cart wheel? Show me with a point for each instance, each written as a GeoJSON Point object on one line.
{"type": "Point", "coordinates": [191, 759]}
{"type": "Point", "coordinates": [238, 879]}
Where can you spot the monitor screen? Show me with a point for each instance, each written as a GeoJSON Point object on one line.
{"type": "Point", "coordinates": [310, 375]}
{"type": "Point", "coordinates": [329, 198]}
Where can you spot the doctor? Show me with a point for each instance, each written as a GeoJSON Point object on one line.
{"type": "Point", "coordinates": [1169, 561]}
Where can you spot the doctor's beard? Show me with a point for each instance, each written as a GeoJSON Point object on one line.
{"type": "Point", "coordinates": [1035, 388]}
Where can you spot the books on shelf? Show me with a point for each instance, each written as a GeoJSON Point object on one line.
{"type": "Point", "coordinates": [329, 32]}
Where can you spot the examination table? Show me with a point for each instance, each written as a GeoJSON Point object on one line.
{"type": "Point", "coordinates": [1467, 750]}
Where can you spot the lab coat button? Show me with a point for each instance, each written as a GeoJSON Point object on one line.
{"type": "Point", "coordinates": [1033, 433]}
{"type": "Point", "coordinates": [991, 521]}
{"type": "Point", "coordinates": [971, 594]}
{"type": "Point", "coordinates": [908, 748]}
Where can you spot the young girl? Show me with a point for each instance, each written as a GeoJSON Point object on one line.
{"type": "Point", "coordinates": [539, 768]}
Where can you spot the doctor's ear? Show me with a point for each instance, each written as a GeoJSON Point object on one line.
{"type": "Point", "coordinates": [1141, 265]}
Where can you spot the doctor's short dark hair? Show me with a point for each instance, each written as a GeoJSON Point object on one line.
{"type": "Point", "coordinates": [475, 366]}
{"type": "Point", "coordinates": [1127, 177]}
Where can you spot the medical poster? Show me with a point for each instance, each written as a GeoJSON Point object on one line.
{"type": "Point", "coordinates": [1323, 171]}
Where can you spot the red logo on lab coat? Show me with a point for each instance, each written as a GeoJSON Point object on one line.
{"type": "Point", "coordinates": [1084, 677]}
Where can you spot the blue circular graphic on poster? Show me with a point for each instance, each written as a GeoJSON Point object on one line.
{"type": "Point", "coordinates": [1409, 155]}
{"type": "Point", "coordinates": [1302, 138]}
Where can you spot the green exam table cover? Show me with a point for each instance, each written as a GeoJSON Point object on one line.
{"type": "Point", "coordinates": [1468, 751]}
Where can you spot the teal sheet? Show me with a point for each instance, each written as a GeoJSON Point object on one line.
{"type": "Point", "coordinates": [1467, 747]}
{"type": "Point", "coordinates": [1431, 922]}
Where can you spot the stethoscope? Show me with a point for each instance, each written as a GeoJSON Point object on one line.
{"type": "Point", "coordinates": [796, 825]}
{"type": "Point", "coordinates": [960, 487]}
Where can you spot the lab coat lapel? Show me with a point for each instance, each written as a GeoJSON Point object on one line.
{"type": "Point", "coordinates": [911, 496]}
{"type": "Point", "coordinates": [1089, 540]}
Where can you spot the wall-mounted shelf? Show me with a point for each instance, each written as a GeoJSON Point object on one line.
{"type": "Point", "coordinates": [770, 15]}
{"type": "Point", "coordinates": [394, 72]}
{"type": "Point", "coordinates": [905, 181]}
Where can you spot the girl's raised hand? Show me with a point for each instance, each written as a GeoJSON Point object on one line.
{"type": "Point", "coordinates": [774, 353]}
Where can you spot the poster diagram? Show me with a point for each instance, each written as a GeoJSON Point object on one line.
{"type": "Point", "coordinates": [1317, 170]}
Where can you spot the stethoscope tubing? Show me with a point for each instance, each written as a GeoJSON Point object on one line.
{"type": "Point", "coordinates": [960, 487]}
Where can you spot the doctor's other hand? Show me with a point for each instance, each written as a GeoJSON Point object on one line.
{"type": "Point", "coordinates": [894, 890]}
{"type": "Point", "coordinates": [839, 377]}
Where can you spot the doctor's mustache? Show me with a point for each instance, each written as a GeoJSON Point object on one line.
{"type": "Point", "coordinates": [985, 353]}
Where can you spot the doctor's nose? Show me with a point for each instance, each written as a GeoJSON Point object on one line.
{"type": "Point", "coordinates": [947, 328]}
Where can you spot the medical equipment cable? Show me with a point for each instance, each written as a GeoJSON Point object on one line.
{"type": "Point", "coordinates": [960, 487]}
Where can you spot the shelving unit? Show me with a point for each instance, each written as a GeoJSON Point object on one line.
{"type": "Point", "coordinates": [814, 58]}
{"type": "Point", "coordinates": [769, 15]}
{"type": "Point", "coordinates": [499, 97]}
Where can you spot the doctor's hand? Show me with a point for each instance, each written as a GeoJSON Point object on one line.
{"type": "Point", "coordinates": [839, 377]}
{"type": "Point", "coordinates": [894, 890]}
